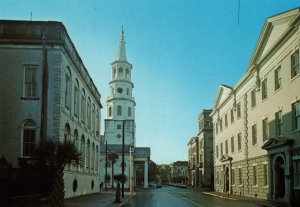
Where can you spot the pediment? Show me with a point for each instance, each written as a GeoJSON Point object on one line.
{"type": "Point", "coordinates": [273, 30]}
{"type": "Point", "coordinates": [225, 158]}
{"type": "Point", "coordinates": [277, 142]}
{"type": "Point", "coordinates": [223, 93]}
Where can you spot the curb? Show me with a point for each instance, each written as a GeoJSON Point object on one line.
{"type": "Point", "coordinates": [224, 197]}
{"type": "Point", "coordinates": [128, 199]}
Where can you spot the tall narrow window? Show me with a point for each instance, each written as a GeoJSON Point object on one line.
{"type": "Point", "coordinates": [254, 134]}
{"type": "Point", "coordinates": [240, 176]}
{"type": "Point", "coordinates": [109, 111]}
{"type": "Point", "coordinates": [264, 89]}
{"type": "Point", "coordinates": [278, 123]}
{"type": "Point", "coordinates": [93, 158]}
{"type": "Point", "coordinates": [30, 82]}
{"type": "Point", "coordinates": [265, 127]}
{"type": "Point", "coordinates": [76, 99]}
{"type": "Point", "coordinates": [119, 111]}
{"type": "Point", "coordinates": [295, 64]}
{"type": "Point", "coordinates": [28, 139]}
{"type": "Point", "coordinates": [129, 111]}
{"type": "Point", "coordinates": [226, 147]}
{"type": "Point", "coordinates": [232, 176]}
{"type": "Point", "coordinates": [265, 174]}
{"type": "Point", "coordinates": [82, 150]}
{"type": "Point", "coordinates": [239, 141]}
{"type": "Point", "coordinates": [253, 98]}
{"type": "Point", "coordinates": [232, 144]}
{"type": "Point", "coordinates": [221, 148]}
{"type": "Point", "coordinates": [238, 110]}
{"type": "Point", "coordinates": [231, 116]}
{"type": "Point", "coordinates": [127, 73]}
{"type": "Point", "coordinates": [88, 113]}
{"type": "Point", "coordinates": [67, 134]}
{"type": "Point", "coordinates": [88, 155]}
{"type": "Point", "coordinates": [83, 106]}
{"type": "Point", "coordinates": [277, 78]}
{"type": "Point", "coordinates": [93, 118]}
{"type": "Point", "coordinates": [226, 120]}
{"type": "Point", "coordinates": [97, 122]}
{"type": "Point", "coordinates": [217, 151]}
{"type": "Point", "coordinates": [296, 115]}
{"type": "Point", "coordinates": [68, 91]}
{"type": "Point", "coordinates": [254, 175]}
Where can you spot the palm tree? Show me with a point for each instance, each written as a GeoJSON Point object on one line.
{"type": "Point", "coordinates": [57, 155]}
{"type": "Point", "coordinates": [113, 157]}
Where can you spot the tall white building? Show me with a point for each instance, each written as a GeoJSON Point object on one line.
{"type": "Point", "coordinates": [120, 122]}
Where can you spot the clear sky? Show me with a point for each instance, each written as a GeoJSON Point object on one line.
{"type": "Point", "coordinates": [181, 52]}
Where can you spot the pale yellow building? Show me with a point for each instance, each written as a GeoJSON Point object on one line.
{"type": "Point", "coordinates": [257, 122]}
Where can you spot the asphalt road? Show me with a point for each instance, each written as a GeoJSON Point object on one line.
{"type": "Point", "coordinates": [177, 197]}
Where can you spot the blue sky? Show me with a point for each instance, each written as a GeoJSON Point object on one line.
{"type": "Point", "coordinates": [181, 52]}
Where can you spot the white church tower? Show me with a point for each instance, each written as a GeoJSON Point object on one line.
{"type": "Point", "coordinates": [120, 103]}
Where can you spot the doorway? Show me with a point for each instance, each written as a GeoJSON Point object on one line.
{"type": "Point", "coordinates": [279, 178]}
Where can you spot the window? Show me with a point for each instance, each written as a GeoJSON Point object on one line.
{"type": "Point", "coordinates": [67, 134]}
{"type": "Point", "coordinates": [114, 72]}
{"type": "Point", "coordinates": [239, 141]}
{"type": "Point", "coordinates": [217, 151]}
{"type": "Point", "coordinates": [295, 64]}
{"type": "Point", "coordinates": [240, 176]}
{"type": "Point", "coordinates": [119, 126]}
{"type": "Point", "coordinates": [83, 106]}
{"type": "Point", "coordinates": [88, 155]}
{"type": "Point", "coordinates": [221, 125]}
{"type": "Point", "coordinates": [254, 175]}
{"type": "Point", "coordinates": [217, 128]}
{"type": "Point", "coordinates": [238, 109]}
{"type": "Point", "coordinates": [297, 173]}
{"type": "Point", "coordinates": [232, 144]}
{"type": "Point", "coordinates": [76, 138]}
{"type": "Point", "coordinates": [29, 133]}
{"type": "Point", "coordinates": [232, 177]}
{"type": "Point", "coordinates": [231, 115]}
{"type": "Point", "coordinates": [82, 150]}
{"type": "Point", "coordinates": [97, 122]}
{"type": "Point", "coordinates": [30, 82]}
{"type": "Point", "coordinates": [127, 73]}
{"type": "Point", "coordinates": [93, 118]}
{"type": "Point", "coordinates": [277, 78]}
{"type": "Point", "coordinates": [254, 135]}
{"type": "Point", "coordinates": [127, 91]}
{"type": "Point", "coordinates": [226, 147]}
{"type": "Point", "coordinates": [109, 111]}
{"type": "Point", "coordinates": [68, 92]}
{"type": "Point", "coordinates": [265, 129]}
{"type": "Point", "coordinates": [76, 99]}
{"type": "Point", "coordinates": [129, 111]}
{"type": "Point", "coordinates": [278, 116]}
{"type": "Point", "coordinates": [264, 91]}
{"type": "Point", "coordinates": [88, 112]}
{"type": "Point", "coordinates": [119, 111]}
{"type": "Point", "coordinates": [253, 98]}
{"type": "Point", "coordinates": [265, 174]}
{"type": "Point", "coordinates": [296, 115]}
{"type": "Point", "coordinates": [221, 148]}
{"type": "Point", "coordinates": [226, 121]}
{"type": "Point", "coordinates": [93, 157]}
{"type": "Point", "coordinates": [120, 72]}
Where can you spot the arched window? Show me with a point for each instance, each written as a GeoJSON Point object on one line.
{"type": "Point", "coordinates": [82, 149]}
{"type": "Point", "coordinates": [88, 112]}
{"type": "Point", "coordinates": [28, 139]}
{"type": "Point", "coordinates": [76, 138]}
{"type": "Point", "coordinates": [109, 111]}
{"type": "Point", "coordinates": [114, 73]}
{"type": "Point", "coordinates": [83, 106]}
{"type": "Point", "coordinates": [129, 111]}
{"type": "Point", "coordinates": [68, 89]}
{"type": "Point", "coordinates": [119, 111]}
{"type": "Point", "coordinates": [67, 134]}
{"type": "Point", "coordinates": [120, 72]}
{"type": "Point", "coordinates": [76, 98]}
{"type": "Point", "coordinates": [88, 155]}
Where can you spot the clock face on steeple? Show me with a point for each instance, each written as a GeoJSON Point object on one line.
{"type": "Point", "coordinates": [120, 90]}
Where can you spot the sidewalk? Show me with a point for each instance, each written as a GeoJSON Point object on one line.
{"type": "Point", "coordinates": [102, 199]}
{"type": "Point", "coordinates": [258, 201]}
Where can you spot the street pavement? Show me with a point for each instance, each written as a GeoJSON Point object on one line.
{"type": "Point", "coordinates": [169, 196]}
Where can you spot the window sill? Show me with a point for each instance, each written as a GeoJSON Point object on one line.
{"type": "Point", "coordinates": [295, 77]}
{"type": "Point", "coordinates": [29, 98]}
{"type": "Point", "coordinates": [295, 131]}
{"type": "Point", "coordinates": [255, 186]}
{"type": "Point", "coordinates": [278, 89]}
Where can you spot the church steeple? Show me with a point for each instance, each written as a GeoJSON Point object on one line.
{"type": "Point", "coordinates": [121, 56]}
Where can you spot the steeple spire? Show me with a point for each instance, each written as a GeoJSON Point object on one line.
{"type": "Point", "coordinates": [121, 56]}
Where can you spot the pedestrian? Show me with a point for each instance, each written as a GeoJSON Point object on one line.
{"type": "Point", "coordinates": [101, 185]}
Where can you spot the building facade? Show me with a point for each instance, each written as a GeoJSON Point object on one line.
{"type": "Point", "coordinates": [179, 172]}
{"type": "Point", "coordinates": [120, 123]}
{"type": "Point", "coordinates": [193, 150]}
{"type": "Point", "coordinates": [205, 153]}
{"type": "Point", "coordinates": [256, 123]}
{"type": "Point", "coordinates": [46, 92]}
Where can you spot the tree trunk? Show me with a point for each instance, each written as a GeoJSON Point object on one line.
{"type": "Point", "coordinates": [58, 193]}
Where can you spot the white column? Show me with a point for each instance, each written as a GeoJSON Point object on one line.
{"type": "Point", "coordinates": [146, 174]}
